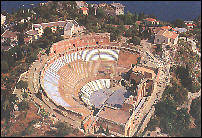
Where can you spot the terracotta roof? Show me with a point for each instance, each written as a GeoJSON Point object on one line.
{"type": "Point", "coordinates": [84, 8]}
{"type": "Point", "coordinates": [167, 34]}
{"type": "Point", "coordinates": [166, 27]}
{"type": "Point", "coordinates": [157, 29]}
{"type": "Point", "coordinates": [9, 34]}
{"type": "Point", "coordinates": [189, 24]}
{"type": "Point", "coordinates": [128, 26]}
{"type": "Point", "coordinates": [138, 22]}
{"type": "Point", "coordinates": [150, 19]}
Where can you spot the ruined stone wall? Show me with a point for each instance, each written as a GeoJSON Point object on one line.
{"type": "Point", "coordinates": [143, 70]}
{"type": "Point", "coordinates": [112, 126]}
{"type": "Point", "coordinates": [81, 41]}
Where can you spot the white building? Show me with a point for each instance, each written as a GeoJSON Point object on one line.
{"type": "Point", "coordinates": [166, 37]}
{"type": "Point", "coordinates": [72, 27]}
{"type": "Point", "coordinates": [119, 8]}
{"type": "Point", "coordinates": [3, 19]}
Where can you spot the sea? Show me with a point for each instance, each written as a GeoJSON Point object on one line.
{"type": "Point", "coordinates": [163, 10]}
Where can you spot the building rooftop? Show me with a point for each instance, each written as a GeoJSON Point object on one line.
{"type": "Point", "coordinates": [167, 34]}
{"type": "Point", "coordinates": [189, 24]}
{"type": "Point", "coordinates": [84, 8]}
{"type": "Point", "coordinates": [118, 5]}
{"type": "Point", "coordinates": [166, 27]}
{"type": "Point", "coordinates": [138, 22]}
{"type": "Point", "coordinates": [81, 4]}
{"type": "Point", "coordinates": [157, 29]}
{"type": "Point", "coordinates": [50, 24]}
{"type": "Point", "coordinates": [68, 26]}
{"type": "Point", "coordinates": [150, 19]}
{"type": "Point", "coordinates": [180, 29]}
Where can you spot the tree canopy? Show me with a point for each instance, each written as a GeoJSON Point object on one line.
{"type": "Point", "coordinates": [178, 23]}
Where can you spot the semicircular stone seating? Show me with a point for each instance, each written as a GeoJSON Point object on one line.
{"type": "Point", "coordinates": [69, 70]}
{"type": "Point", "coordinates": [93, 86]}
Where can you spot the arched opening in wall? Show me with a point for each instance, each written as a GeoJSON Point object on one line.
{"type": "Point", "coordinates": [97, 43]}
{"type": "Point", "coordinates": [73, 45]}
{"type": "Point", "coordinates": [77, 49]}
{"type": "Point", "coordinates": [55, 52]}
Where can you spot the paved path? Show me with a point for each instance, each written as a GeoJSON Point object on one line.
{"type": "Point", "coordinates": [159, 87]}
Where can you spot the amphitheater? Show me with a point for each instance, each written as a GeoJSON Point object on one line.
{"type": "Point", "coordinates": [82, 81]}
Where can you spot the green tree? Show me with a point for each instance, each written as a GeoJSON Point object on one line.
{"type": "Point", "coordinates": [101, 130]}
{"type": "Point", "coordinates": [183, 74]}
{"type": "Point", "coordinates": [141, 16]}
{"type": "Point", "coordinates": [158, 48]}
{"type": "Point", "coordinates": [172, 121]}
{"type": "Point", "coordinates": [28, 131]}
{"type": "Point", "coordinates": [47, 32]}
{"type": "Point", "coordinates": [20, 38]}
{"type": "Point", "coordinates": [22, 84]}
{"type": "Point", "coordinates": [100, 13]}
{"type": "Point", "coordinates": [107, 131]}
{"type": "Point", "coordinates": [23, 105]}
{"type": "Point", "coordinates": [195, 111]}
{"type": "Point", "coordinates": [4, 66]}
{"type": "Point", "coordinates": [178, 23]}
{"type": "Point", "coordinates": [62, 129]}
{"type": "Point", "coordinates": [135, 40]}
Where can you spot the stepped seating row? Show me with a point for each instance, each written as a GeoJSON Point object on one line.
{"type": "Point", "coordinates": [73, 72]}
{"type": "Point", "coordinates": [52, 91]}
{"type": "Point", "coordinates": [78, 71]}
{"type": "Point", "coordinates": [93, 86]}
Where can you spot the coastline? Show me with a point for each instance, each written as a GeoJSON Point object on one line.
{"type": "Point", "coordinates": [163, 10]}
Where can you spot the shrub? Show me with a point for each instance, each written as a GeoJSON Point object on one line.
{"type": "Point", "coordinates": [63, 129]}
{"type": "Point", "coordinates": [22, 84]}
{"type": "Point", "coordinates": [23, 105]}
{"type": "Point", "coordinates": [4, 66]}
{"type": "Point", "coordinates": [28, 131]}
